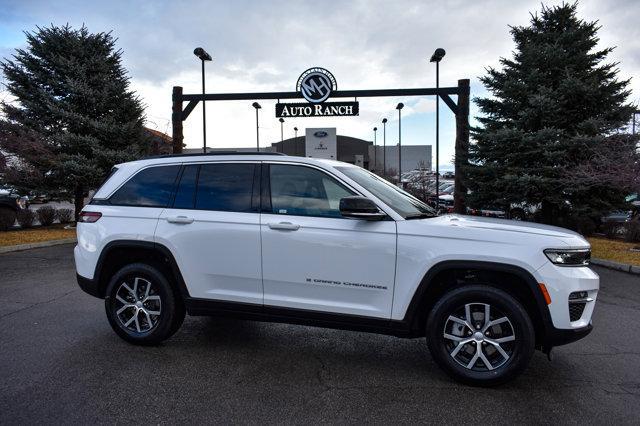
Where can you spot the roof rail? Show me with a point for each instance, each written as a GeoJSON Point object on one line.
{"type": "Point", "coordinates": [196, 154]}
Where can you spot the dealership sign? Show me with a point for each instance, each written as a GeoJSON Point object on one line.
{"type": "Point", "coordinates": [316, 85]}
{"type": "Point", "coordinates": [325, 109]}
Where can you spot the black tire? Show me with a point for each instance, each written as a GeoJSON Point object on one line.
{"type": "Point", "coordinates": [168, 304]}
{"type": "Point", "coordinates": [501, 304]}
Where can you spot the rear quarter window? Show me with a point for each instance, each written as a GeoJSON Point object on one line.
{"type": "Point", "coordinates": [151, 187]}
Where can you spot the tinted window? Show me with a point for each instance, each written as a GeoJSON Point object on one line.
{"type": "Point", "coordinates": [225, 187]}
{"type": "Point", "coordinates": [150, 187]}
{"type": "Point", "coordinates": [303, 191]}
{"type": "Point", "coordinates": [186, 192]}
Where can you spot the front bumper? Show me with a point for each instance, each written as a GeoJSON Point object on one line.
{"type": "Point", "coordinates": [559, 337]}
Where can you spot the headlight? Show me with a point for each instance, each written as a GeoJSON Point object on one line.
{"type": "Point", "coordinates": [569, 257]}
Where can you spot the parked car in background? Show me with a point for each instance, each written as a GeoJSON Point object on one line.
{"type": "Point", "coordinates": [449, 175]}
{"type": "Point", "coordinates": [618, 216]}
{"type": "Point", "coordinates": [11, 202]}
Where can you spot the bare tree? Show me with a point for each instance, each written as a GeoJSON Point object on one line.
{"type": "Point", "coordinates": [615, 162]}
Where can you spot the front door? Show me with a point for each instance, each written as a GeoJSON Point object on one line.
{"type": "Point", "coordinates": [312, 257]}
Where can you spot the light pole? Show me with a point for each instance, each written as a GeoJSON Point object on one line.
{"type": "Point", "coordinates": [281, 120]}
{"type": "Point", "coordinates": [204, 56]}
{"type": "Point", "coordinates": [295, 140]}
{"type": "Point", "coordinates": [384, 147]}
{"type": "Point", "coordinates": [375, 149]}
{"type": "Point", "coordinates": [437, 57]}
{"type": "Point", "coordinates": [257, 107]}
{"type": "Point", "coordinates": [399, 108]}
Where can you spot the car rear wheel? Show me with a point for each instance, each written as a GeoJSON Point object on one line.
{"type": "Point", "coordinates": [480, 335]}
{"type": "Point", "coordinates": [142, 306]}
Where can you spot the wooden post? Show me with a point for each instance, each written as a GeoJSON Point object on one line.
{"type": "Point", "coordinates": [462, 148]}
{"type": "Point", "coordinates": [176, 119]}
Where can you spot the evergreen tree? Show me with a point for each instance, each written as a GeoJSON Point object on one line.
{"type": "Point", "coordinates": [552, 105]}
{"type": "Point", "coordinates": [73, 117]}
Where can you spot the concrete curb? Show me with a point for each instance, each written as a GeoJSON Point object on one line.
{"type": "Point", "coordinates": [616, 266]}
{"type": "Point", "coordinates": [20, 247]}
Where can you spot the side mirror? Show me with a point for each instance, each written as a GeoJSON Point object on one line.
{"type": "Point", "coordinates": [360, 208]}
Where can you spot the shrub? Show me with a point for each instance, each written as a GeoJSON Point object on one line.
{"type": "Point", "coordinates": [26, 218]}
{"type": "Point", "coordinates": [7, 219]}
{"type": "Point", "coordinates": [65, 215]}
{"type": "Point", "coordinates": [46, 215]}
{"type": "Point", "coordinates": [632, 231]}
{"type": "Point", "coordinates": [585, 226]}
{"type": "Point", "coordinates": [611, 229]}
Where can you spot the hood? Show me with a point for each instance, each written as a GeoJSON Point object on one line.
{"type": "Point", "coordinates": [505, 230]}
{"type": "Point", "coordinates": [510, 225]}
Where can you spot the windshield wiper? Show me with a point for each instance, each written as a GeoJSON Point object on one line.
{"type": "Point", "coordinates": [421, 215]}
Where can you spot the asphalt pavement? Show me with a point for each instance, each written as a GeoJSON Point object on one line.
{"type": "Point", "coordinates": [61, 363]}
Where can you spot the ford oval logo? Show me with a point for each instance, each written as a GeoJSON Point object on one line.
{"type": "Point", "coordinates": [316, 84]}
{"type": "Point", "coordinates": [321, 134]}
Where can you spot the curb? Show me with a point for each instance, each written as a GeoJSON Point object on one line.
{"type": "Point", "coordinates": [616, 266]}
{"type": "Point", "coordinates": [21, 247]}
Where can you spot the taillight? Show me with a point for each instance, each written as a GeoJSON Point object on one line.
{"type": "Point", "coordinates": [89, 217]}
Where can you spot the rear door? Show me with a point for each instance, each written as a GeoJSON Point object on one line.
{"type": "Point", "coordinates": [312, 257]}
{"type": "Point", "coordinates": [213, 230]}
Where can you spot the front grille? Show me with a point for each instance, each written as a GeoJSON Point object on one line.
{"type": "Point", "coordinates": [576, 310]}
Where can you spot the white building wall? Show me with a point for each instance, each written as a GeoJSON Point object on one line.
{"type": "Point", "coordinates": [413, 156]}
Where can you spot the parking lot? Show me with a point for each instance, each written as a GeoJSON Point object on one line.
{"type": "Point", "coordinates": [60, 362]}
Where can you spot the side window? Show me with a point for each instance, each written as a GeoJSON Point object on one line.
{"type": "Point", "coordinates": [186, 192]}
{"type": "Point", "coordinates": [225, 187]}
{"type": "Point", "coordinates": [304, 191]}
{"type": "Point", "coordinates": [150, 187]}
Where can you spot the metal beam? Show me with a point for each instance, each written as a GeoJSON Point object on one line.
{"type": "Point", "coordinates": [450, 103]}
{"type": "Point", "coordinates": [187, 110]}
{"type": "Point", "coordinates": [337, 94]}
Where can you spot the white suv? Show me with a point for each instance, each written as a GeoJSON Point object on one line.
{"type": "Point", "coordinates": [324, 243]}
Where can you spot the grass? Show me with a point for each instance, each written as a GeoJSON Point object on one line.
{"type": "Point", "coordinates": [35, 235]}
{"type": "Point", "coordinates": [614, 250]}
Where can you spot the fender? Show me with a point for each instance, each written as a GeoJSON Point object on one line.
{"type": "Point", "coordinates": [142, 245]}
{"type": "Point", "coordinates": [413, 311]}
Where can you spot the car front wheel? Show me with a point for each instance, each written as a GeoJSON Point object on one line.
{"type": "Point", "coordinates": [141, 305]}
{"type": "Point", "coordinates": [480, 335]}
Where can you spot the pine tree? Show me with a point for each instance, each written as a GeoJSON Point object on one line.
{"type": "Point", "coordinates": [73, 117]}
{"type": "Point", "coordinates": [551, 107]}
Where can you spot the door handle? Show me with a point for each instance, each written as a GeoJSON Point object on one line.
{"type": "Point", "coordinates": [183, 220]}
{"type": "Point", "coordinates": [285, 226]}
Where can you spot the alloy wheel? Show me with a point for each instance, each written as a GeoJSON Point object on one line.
{"type": "Point", "coordinates": [479, 337]}
{"type": "Point", "coordinates": [138, 305]}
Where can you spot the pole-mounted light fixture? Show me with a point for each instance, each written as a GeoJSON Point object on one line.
{"type": "Point", "coordinates": [203, 56]}
{"type": "Point", "coordinates": [399, 108]}
{"type": "Point", "coordinates": [375, 148]}
{"type": "Point", "coordinates": [281, 120]}
{"type": "Point", "coordinates": [257, 107]}
{"type": "Point", "coordinates": [437, 57]}
{"type": "Point", "coordinates": [384, 146]}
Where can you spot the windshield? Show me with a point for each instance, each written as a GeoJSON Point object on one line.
{"type": "Point", "coordinates": [402, 202]}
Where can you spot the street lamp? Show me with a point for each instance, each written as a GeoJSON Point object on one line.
{"type": "Point", "coordinates": [437, 57]}
{"type": "Point", "coordinates": [399, 108]}
{"type": "Point", "coordinates": [295, 140]}
{"type": "Point", "coordinates": [257, 107]}
{"type": "Point", "coordinates": [375, 148]}
{"type": "Point", "coordinates": [384, 147]}
{"type": "Point", "coordinates": [281, 120]}
{"type": "Point", "coordinates": [203, 56]}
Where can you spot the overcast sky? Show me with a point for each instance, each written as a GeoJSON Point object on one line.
{"type": "Point", "coordinates": [266, 45]}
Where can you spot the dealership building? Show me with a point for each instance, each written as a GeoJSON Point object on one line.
{"type": "Point", "coordinates": [326, 143]}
